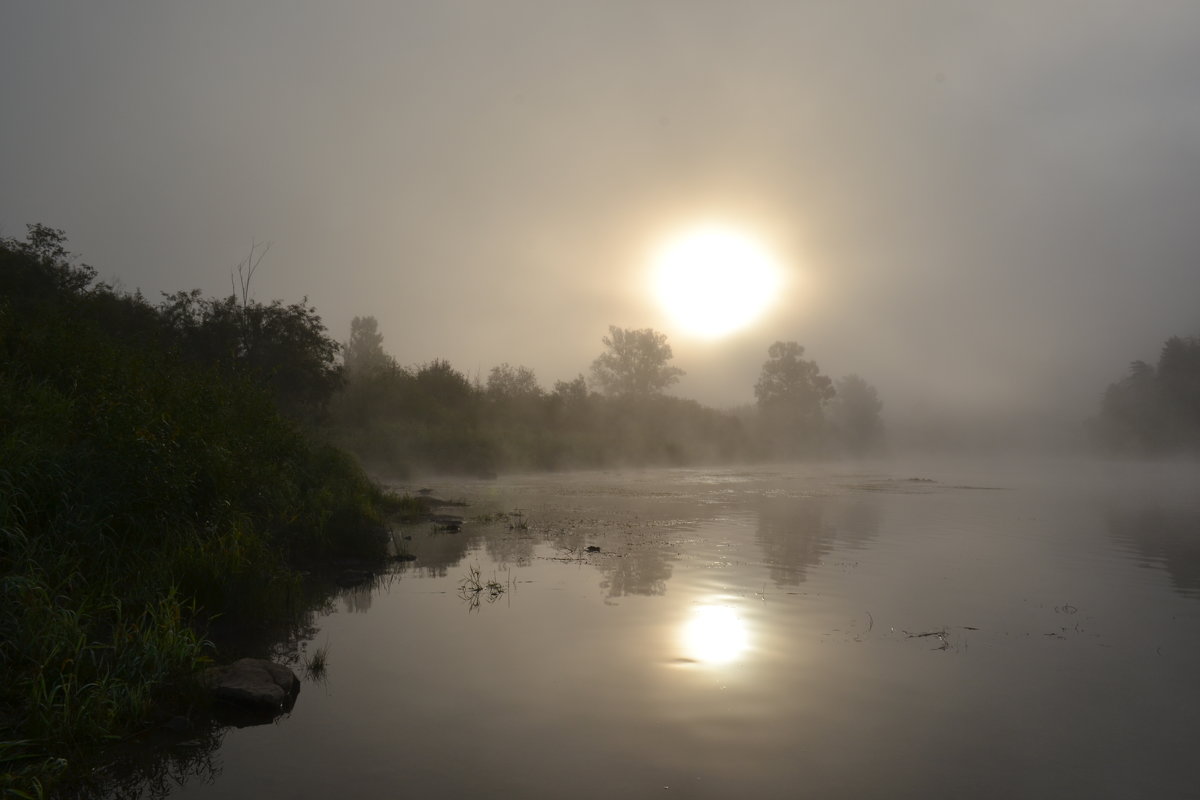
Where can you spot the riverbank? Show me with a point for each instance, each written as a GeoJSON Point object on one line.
{"type": "Point", "coordinates": [147, 488]}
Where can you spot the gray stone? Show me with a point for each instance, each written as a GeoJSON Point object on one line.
{"type": "Point", "coordinates": [255, 683]}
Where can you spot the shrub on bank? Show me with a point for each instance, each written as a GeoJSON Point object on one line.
{"type": "Point", "coordinates": [143, 491]}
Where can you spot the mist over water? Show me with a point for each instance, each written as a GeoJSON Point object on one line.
{"type": "Point", "coordinates": [938, 628]}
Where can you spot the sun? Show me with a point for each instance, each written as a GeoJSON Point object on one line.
{"type": "Point", "coordinates": [714, 635]}
{"type": "Point", "coordinates": [714, 280]}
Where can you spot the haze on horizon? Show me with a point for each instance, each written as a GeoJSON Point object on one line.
{"type": "Point", "coordinates": [978, 207]}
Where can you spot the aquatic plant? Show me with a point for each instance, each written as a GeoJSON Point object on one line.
{"type": "Point", "coordinates": [472, 587]}
{"type": "Point", "coordinates": [316, 663]}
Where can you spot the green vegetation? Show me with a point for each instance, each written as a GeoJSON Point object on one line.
{"type": "Point", "coordinates": [634, 363]}
{"type": "Point", "coordinates": [155, 472]}
{"type": "Point", "coordinates": [1156, 407]}
{"type": "Point", "coordinates": [854, 416]}
{"type": "Point", "coordinates": [792, 394]}
{"type": "Point", "coordinates": [433, 418]}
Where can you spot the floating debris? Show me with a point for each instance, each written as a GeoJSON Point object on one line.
{"type": "Point", "coordinates": [446, 523]}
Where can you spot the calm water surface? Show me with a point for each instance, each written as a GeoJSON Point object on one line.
{"type": "Point", "coordinates": [926, 630]}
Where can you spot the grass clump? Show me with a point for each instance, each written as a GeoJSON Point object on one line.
{"type": "Point", "coordinates": [472, 587]}
{"type": "Point", "coordinates": [316, 664]}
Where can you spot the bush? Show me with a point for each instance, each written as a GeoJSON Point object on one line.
{"type": "Point", "coordinates": [144, 490]}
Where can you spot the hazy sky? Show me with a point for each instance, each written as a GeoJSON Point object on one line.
{"type": "Point", "coordinates": [985, 204]}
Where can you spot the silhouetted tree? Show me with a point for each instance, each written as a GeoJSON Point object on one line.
{"type": "Point", "coordinates": [442, 390]}
{"type": "Point", "coordinates": [514, 398]}
{"type": "Point", "coordinates": [854, 415]}
{"type": "Point", "coordinates": [1131, 411]}
{"type": "Point", "coordinates": [284, 346]}
{"type": "Point", "coordinates": [791, 394]}
{"type": "Point", "coordinates": [635, 365]}
{"type": "Point", "coordinates": [1179, 377]}
{"type": "Point", "coordinates": [572, 413]}
{"type": "Point", "coordinates": [1156, 409]}
{"type": "Point", "coordinates": [364, 353]}
{"type": "Point", "coordinates": [433, 417]}
{"type": "Point", "coordinates": [375, 393]}
{"type": "Point", "coordinates": [41, 267]}
{"type": "Point", "coordinates": [573, 392]}
{"type": "Point", "coordinates": [512, 383]}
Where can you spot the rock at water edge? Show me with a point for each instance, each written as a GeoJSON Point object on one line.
{"type": "Point", "coordinates": [256, 683]}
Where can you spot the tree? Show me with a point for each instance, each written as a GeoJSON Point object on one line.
{"type": "Point", "coordinates": [635, 365]}
{"type": "Point", "coordinates": [787, 379]}
{"type": "Point", "coordinates": [854, 415]}
{"type": "Point", "coordinates": [1179, 375]}
{"type": "Point", "coordinates": [286, 347]}
{"type": "Point", "coordinates": [1131, 413]}
{"type": "Point", "coordinates": [364, 355]}
{"type": "Point", "coordinates": [573, 392]}
{"type": "Point", "coordinates": [791, 394]}
{"type": "Point", "coordinates": [443, 393]}
{"type": "Point", "coordinates": [1156, 408]}
{"type": "Point", "coordinates": [570, 406]}
{"type": "Point", "coordinates": [41, 267]}
{"type": "Point", "coordinates": [514, 399]}
{"type": "Point", "coordinates": [512, 383]}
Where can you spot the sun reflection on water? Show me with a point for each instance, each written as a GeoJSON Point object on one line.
{"type": "Point", "coordinates": [714, 634]}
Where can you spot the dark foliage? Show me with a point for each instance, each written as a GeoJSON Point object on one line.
{"type": "Point", "coordinates": [434, 418]}
{"type": "Point", "coordinates": [792, 394]}
{"type": "Point", "coordinates": [1155, 408]}
{"type": "Point", "coordinates": [854, 416]}
{"type": "Point", "coordinates": [148, 481]}
{"type": "Point", "coordinates": [634, 363]}
{"type": "Point", "coordinates": [283, 346]}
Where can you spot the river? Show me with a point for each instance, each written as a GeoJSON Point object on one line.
{"type": "Point", "coordinates": [983, 629]}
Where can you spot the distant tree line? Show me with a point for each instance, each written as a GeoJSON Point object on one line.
{"type": "Point", "coordinates": [432, 416]}
{"type": "Point", "coordinates": [1156, 407]}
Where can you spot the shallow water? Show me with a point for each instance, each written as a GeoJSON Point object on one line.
{"type": "Point", "coordinates": [1010, 629]}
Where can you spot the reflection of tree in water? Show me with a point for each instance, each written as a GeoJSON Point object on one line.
{"type": "Point", "coordinates": [642, 569]}
{"type": "Point", "coordinates": [510, 550]}
{"type": "Point", "coordinates": [1164, 538]}
{"type": "Point", "coordinates": [797, 532]}
{"type": "Point", "coordinates": [357, 600]}
{"type": "Point", "coordinates": [151, 770]}
{"type": "Point", "coordinates": [437, 552]}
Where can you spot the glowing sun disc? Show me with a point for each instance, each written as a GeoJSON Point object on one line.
{"type": "Point", "coordinates": [712, 281]}
{"type": "Point", "coordinates": [715, 635]}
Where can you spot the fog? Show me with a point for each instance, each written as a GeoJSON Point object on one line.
{"type": "Point", "coordinates": [983, 209]}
